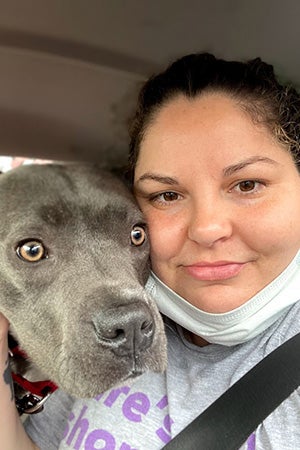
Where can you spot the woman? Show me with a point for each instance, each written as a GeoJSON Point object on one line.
{"type": "Point", "coordinates": [214, 152]}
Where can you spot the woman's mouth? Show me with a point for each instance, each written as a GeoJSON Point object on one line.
{"type": "Point", "coordinates": [219, 270]}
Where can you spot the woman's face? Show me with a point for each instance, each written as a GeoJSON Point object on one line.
{"type": "Point", "coordinates": [222, 201]}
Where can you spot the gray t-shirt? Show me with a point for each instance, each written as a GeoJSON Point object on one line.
{"type": "Point", "coordinates": [145, 415]}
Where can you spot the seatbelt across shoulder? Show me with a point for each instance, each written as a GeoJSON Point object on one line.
{"type": "Point", "coordinates": [229, 421]}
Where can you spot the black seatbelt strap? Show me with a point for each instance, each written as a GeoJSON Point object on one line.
{"type": "Point", "coordinates": [230, 420]}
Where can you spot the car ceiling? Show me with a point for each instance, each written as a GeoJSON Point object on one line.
{"type": "Point", "coordinates": [70, 69]}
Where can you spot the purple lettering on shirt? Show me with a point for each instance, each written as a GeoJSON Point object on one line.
{"type": "Point", "coordinates": [134, 404]}
{"type": "Point", "coordinates": [102, 437]}
{"type": "Point", "coordinates": [125, 446]}
{"type": "Point", "coordinates": [164, 433]}
{"type": "Point", "coordinates": [114, 394]}
{"type": "Point", "coordinates": [163, 402]}
{"type": "Point", "coordinates": [82, 426]}
{"type": "Point", "coordinates": [251, 442]}
{"type": "Point", "coordinates": [70, 418]}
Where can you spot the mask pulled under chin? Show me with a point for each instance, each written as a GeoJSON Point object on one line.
{"type": "Point", "coordinates": [240, 324]}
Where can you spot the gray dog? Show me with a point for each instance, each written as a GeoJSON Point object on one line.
{"type": "Point", "coordinates": [73, 263]}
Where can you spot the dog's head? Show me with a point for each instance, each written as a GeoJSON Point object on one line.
{"type": "Point", "coordinates": [73, 263]}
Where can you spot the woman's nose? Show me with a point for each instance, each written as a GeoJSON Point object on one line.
{"type": "Point", "coordinates": [210, 222]}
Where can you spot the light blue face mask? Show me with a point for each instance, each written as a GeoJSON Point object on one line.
{"type": "Point", "coordinates": [240, 324]}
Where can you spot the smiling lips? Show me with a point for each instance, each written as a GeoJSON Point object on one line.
{"type": "Point", "coordinates": [219, 270]}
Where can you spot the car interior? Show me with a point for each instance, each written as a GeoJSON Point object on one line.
{"type": "Point", "coordinates": [71, 69]}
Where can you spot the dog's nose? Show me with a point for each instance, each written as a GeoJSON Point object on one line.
{"type": "Point", "coordinates": [126, 329]}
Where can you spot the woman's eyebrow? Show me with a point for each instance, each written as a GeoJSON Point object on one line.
{"type": "Point", "coordinates": [156, 177]}
{"type": "Point", "coordinates": [240, 165]}
{"type": "Point", "coordinates": [226, 172]}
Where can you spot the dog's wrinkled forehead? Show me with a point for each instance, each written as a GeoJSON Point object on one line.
{"type": "Point", "coordinates": [59, 194]}
{"type": "Point", "coordinates": [50, 179]}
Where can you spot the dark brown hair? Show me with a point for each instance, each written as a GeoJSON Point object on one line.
{"type": "Point", "coordinates": [253, 84]}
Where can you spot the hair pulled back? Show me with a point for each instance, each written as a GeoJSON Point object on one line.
{"type": "Point", "coordinates": [252, 84]}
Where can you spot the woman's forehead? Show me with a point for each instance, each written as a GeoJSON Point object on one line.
{"type": "Point", "coordinates": [209, 123]}
{"type": "Point", "coordinates": [207, 137]}
{"type": "Point", "coordinates": [200, 117]}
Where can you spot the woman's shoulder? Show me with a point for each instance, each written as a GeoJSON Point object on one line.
{"type": "Point", "coordinates": [287, 326]}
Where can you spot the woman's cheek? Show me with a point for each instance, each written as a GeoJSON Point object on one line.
{"type": "Point", "coordinates": [166, 237]}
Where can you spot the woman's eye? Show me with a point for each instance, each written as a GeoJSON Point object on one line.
{"type": "Point", "coordinates": [248, 186]}
{"type": "Point", "coordinates": [165, 197]}
{"type": "Point", "coordinates": [137, 235]}
{"type": "Point", "coordinates": [31, 251]}
{"type": "Point", "coordinates": [169, 196]}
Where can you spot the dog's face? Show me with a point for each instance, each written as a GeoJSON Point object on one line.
{"type": "Point", "coordinates": [73, 262]}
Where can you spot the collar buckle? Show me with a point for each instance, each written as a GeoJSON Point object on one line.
{"type": "Point", "coordinates": [31, 404]}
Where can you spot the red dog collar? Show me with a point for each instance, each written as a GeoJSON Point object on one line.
{"type": "Point", "coordinates": [39, 391]}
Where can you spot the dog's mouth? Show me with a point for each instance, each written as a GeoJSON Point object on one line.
{"type": "Point", "coordinates": [135, 373]}
{"type": "Point", "coordinates": [94, 375]}
{"type": "Point", "coordinates": [138, 368]}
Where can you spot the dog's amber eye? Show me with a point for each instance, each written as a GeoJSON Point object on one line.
{"type": "Point", "coordinates": [31, 251]}
{"type": "Point", "coordinates": [138, 235]}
